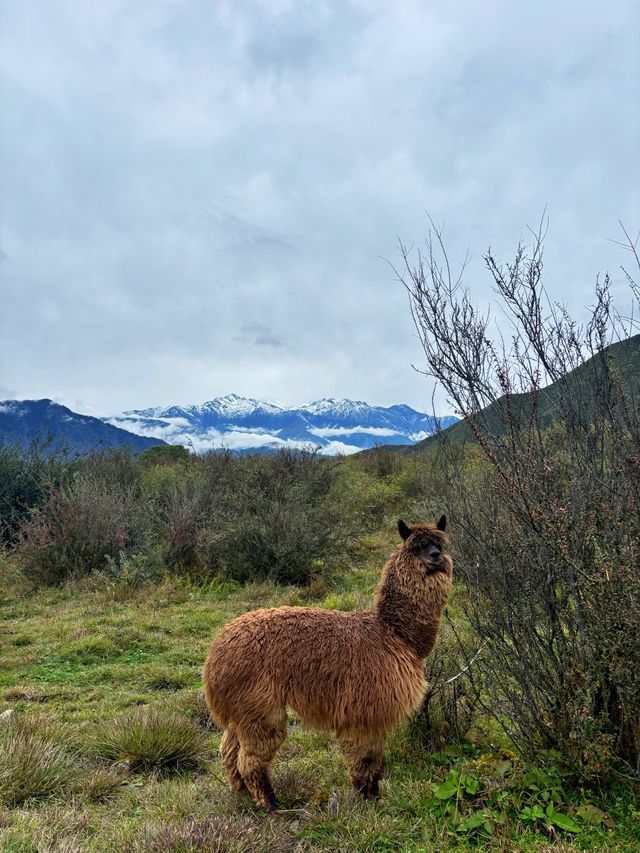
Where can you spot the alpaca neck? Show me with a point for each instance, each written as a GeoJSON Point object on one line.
{"type": "Point", "coordinates": [410, 602]}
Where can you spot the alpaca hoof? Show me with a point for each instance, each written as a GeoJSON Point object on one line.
{"type": "Point", "coordinates": [369, 790]}
{"type": "Point", "coordinates": [273, 805]}
{"type": "Point", "coordinates": [268, 800]}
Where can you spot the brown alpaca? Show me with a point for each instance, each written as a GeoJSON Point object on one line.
{"type": "Point", "coordinates": [355, 673]}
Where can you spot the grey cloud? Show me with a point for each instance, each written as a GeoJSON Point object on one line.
{"type": "Point", "coordinates": [241, 233]}
{"type": "Point", "coordinates": [259, 335]}
{"type": "Point", "coordinates": [7, 393]}
{"type": "Point", "coordinates": [176, 171]}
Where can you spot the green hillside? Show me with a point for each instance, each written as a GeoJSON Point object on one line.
{"type": "Point", "coordinates": [624, 357]}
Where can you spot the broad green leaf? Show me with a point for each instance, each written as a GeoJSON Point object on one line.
{"type": "Point", "coordinates": [471, 785]}
{"type": "Point", "coordinates": [564, 822]}
{"type": "Point", "coordinates": [473, 822]}
{"type": "Point", "coordinates": [445, 790]}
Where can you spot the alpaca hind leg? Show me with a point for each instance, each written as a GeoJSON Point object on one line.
{"type": "Point", "coordinates": [257, 749]}
{"type": "Point", "coordinates": [229, 748]}
{"type": "Point", "coordinates": [364, 756]}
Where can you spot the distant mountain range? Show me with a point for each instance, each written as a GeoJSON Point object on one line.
{"type": "Point", "coordinates": [55, 427]}
{"type": "Point", "coordinates": [246, 425]}
{"type": "Point", "coordinates": [239, 424]}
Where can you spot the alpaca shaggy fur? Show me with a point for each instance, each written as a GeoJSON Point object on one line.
{"type": "Point", "coordinates": [355, 673]}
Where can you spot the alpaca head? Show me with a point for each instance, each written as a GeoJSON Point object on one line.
{"type": "Point", "coordinates": [427, 544]}
{"type": "Point", "coordinates": [415, 585]}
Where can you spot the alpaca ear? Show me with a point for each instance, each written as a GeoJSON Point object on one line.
{"type": "Point", "coordinates": [442, 523]}
{"type": "Point", "coordinates": [403, 530]}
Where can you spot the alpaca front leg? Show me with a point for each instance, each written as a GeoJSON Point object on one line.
{"type": "Point", "coordinates": [364, 757]}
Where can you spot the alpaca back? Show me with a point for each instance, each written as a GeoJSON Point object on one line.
{"type": "Point", "coordinates": [334, 669]}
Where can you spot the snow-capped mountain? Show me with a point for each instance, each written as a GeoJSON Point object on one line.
{"type": "Point", "coordinates": [242, 424]}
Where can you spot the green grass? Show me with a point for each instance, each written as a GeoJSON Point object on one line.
{"type": "Point", "coordinates": [83, 667]}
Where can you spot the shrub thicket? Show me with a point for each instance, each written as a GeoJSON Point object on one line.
{"type": "Point", "coordinates": [282, 520]}
{"type": "Point", "coordinates": [25, 479]}
{"type": "Point", "coordinates": [274, 516]}
{"type": "Point", "coordinates": [80, 526]}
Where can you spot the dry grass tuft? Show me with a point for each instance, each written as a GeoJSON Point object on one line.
{"type": "Point", "coordinates": [33, 767]}
{"type": "Point", "coordinates": [152, 739]}
{"type": "Point", "coordinates": [220, 835]}
{"type": "Point", "coordinates": [102, 783]}
{"type": "Point", "coordinates": [295, 787]}
{"type": "Point", "coordinates": [35, 694]}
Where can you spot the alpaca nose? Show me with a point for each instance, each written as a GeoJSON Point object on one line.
{"type": "Point", "coordinates": [434, 553]}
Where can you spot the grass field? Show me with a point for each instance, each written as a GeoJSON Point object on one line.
{"type": "Point", "coordinates": [109, 749]}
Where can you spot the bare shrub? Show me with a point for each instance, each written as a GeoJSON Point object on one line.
{"type": "Point", "coordinates": [193, 509]}
{"type": "Point", "coordinates": [102, 783]}
{"type": "Point", "coordinates": [189, 521]}
{"type": "Point", "coordinates": [547, 504]}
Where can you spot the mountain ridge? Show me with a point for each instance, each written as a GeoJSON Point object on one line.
{"type": "Point", "coordinates": [246, 424]}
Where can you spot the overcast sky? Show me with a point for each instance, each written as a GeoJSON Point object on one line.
{"type": "Point", "coordinates": [198, 196]}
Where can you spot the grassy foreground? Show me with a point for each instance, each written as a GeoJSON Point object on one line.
{"type": "Point", "coordinates": [109, 749]}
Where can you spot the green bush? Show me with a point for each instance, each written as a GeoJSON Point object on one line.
{"type": "Point", "coordinates": [25, 479]}
{"type": "Point", "coordinates": [368, 500]}
{"type": "Point", "coordinates": [164, 455]}
{"type": "Point", "coordinates": [281, 520]}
